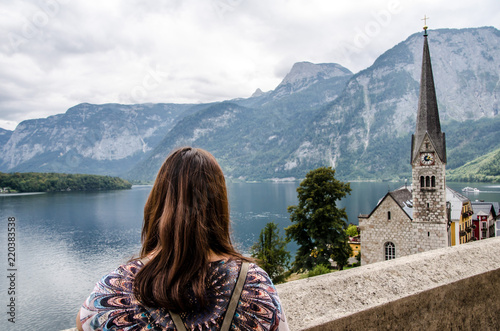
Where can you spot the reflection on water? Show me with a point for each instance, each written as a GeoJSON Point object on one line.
{"type": "Point", "coordinates": [66, 241]}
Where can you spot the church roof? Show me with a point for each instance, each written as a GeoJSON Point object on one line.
{"type": "Point", "coordinates": [401, 196]}
{"type": "Point", "coordinates": [428, 115]}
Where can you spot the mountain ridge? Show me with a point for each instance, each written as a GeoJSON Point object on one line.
{"type": "Point", "coordinates": [371, 117]}
{"type": "Point", "coordinates": [320, 114]}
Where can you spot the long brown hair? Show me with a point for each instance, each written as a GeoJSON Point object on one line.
{"type": "Point", "coordinates": [186, 219]}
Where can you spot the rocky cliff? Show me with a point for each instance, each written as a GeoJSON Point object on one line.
{"type": "Point", "coordinates": [320, 114]}
{"type": "Point", "coordinates": [96, 139]}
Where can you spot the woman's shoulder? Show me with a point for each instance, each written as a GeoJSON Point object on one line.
{"type": "Point", "coordinates": [254, 269]}
{"type": "Point", "coordinates": [113, 297]}
{"type": "Point", "coordinates": [259, 302]}
{"type": "Point", "coordinates": [258, 279]}
{"type": "Point", "coordinates": [232, 267]}
{"type": "Point", "coordinates": [256, 276]}
{"type": "Point", "coordinates": [258, 285]}
{"type": "Point", "coordinates": [125, 272]}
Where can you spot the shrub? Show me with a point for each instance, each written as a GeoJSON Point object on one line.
{"type": "Point", "coordinates": [320, 269]}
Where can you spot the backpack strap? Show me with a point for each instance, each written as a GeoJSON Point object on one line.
{"type": "Point", "coordinates": [231, 308]}
{"type": "Point", "coordinates": [235, 297]}
{"type": "Point", "coordinates": [179, 324]}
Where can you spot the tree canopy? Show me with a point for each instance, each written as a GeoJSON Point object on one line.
{"type": "Point", "coordinates": [352, 230]}
{"type": "Point", "coordinates": [318, 224]}
{"type": "Point", "coordinates": [270, 252]}
{"type": "Point", "coordinates": [51, 182]}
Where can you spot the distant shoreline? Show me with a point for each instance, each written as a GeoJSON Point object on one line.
{"type": "Point", "coordinates": [4, 194]}
{"type": "Point", "coordinates": [31, 182]}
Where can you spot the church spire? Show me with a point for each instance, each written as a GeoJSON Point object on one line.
{"type": "Point", "coordinates": [428, 115]}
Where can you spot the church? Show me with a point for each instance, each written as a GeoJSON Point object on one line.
{"type": "Point", "coordinates": [414, 218]}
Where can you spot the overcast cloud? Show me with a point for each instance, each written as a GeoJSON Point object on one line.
{"type": "Point", "coordinates": [55, 54]}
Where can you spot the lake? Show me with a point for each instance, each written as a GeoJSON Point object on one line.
{"type": "Point", "coordinates": [66, 241]}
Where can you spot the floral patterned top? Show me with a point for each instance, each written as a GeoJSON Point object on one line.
{"type": "Point", "coordinates": [113, 306]}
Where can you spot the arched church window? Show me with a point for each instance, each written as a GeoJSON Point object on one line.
{"type": "Point", "coordinates": [433, 181]}
{"type": "Point", "coordinates": [422, 181]}
{"type": "Point", "coordinates": [427, 181]}
{"type": "Point", "coordinates": [390, 250]}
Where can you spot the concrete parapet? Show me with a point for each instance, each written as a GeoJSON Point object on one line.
{"type": "Point", "coordinates": [450, 288]}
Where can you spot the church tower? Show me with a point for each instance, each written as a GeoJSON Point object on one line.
{"type": "Point", "coordinates": [428, 162]}
{"type": "Point", "coordinates": [409, 221]}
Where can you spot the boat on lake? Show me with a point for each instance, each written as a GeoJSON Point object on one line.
{"type": "Point", "coordinates": [470, 189]}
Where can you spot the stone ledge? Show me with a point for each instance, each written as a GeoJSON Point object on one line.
{"type": "Point", "coordinates": [438, 286]}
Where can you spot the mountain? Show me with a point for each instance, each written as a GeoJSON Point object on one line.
{"type": "Point", "coordinates": [365, 132]}
{"type": "Point", "coordinates": [307, 85]}
{"type": "Point", "coordinates": [319, 115]}
{"type": "Point", "coordinates": [95, 139]}
{"type": "Point", "coordinates": [250, 137]}
{"type": "Point", "coordinates": [485, 168]}
{"type": "Point", "coordinates": [305, 74]}
{"type": "Point", "coordinates": [4, 136]}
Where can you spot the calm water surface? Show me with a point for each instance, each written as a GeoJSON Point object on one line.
{"type": "Point", "coordinates": [65, 242]}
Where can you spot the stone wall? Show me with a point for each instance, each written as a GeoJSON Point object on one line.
{"type": "Point", "coordinates": [378, 229]}
{"type": "Point", "coordinates": [449, 288]}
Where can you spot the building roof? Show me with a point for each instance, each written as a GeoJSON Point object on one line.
{"type": "Point", "coordinates": [452, 194]}
{"type": "Point", "coordinates": [494, 204]}
{"type": "Point", "coordinates": [484, 208]}
{"type": "Point", "coordinates": [457, 200]}
{"type": "Point", "coordinates": [428, 114]}
{"type": "Point", "coordinates": [401, 196]}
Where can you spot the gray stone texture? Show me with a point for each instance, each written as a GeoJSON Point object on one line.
{"type": "Point", "coordinates": [378, 230]}
{"type": "Point", "coordinates": [449, 288]}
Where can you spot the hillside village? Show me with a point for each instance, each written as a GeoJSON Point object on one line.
{"type": "Point", "coordinates": [426, 214]}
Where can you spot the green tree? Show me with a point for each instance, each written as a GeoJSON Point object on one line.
{"type": "Point", "coordinates": [342, 252]}
{"type": "Point", "coordinates": [318, 224]}
{"type": "Point", "coordinates": [271, 254]}
{"type": "Point", "coordinates": [358, 258]}
{"type": "Point", "coordinates": [352, 230]}
{"type": "Point", "coordinates": [48, 182]}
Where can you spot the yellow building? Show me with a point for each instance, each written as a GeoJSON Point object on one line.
{"type": "Point", "coordinates": [355, 244]}
{"type": "Point", "coordinates": [460, 217]}
{"type": "Point", "coordinates": [466, 223]}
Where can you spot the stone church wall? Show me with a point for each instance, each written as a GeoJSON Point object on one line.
{"type": "Point", "coordinates": [429, 203]}
{"type": "Point", "coordinates": [429, 227]}
{"type": "Point", "coordinates": [427, 236]}
{"type": "Point", "coordinates": [378, 229]}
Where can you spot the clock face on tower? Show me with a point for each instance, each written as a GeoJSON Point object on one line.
{"type": "Point", "coordinates": [427, 158]}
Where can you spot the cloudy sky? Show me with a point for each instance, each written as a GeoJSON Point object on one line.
{"type": "Point", "coordinates": [55, 54]}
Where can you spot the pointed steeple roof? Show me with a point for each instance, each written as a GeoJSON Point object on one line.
{"type": "Point", "coordinates": [428, 115]}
